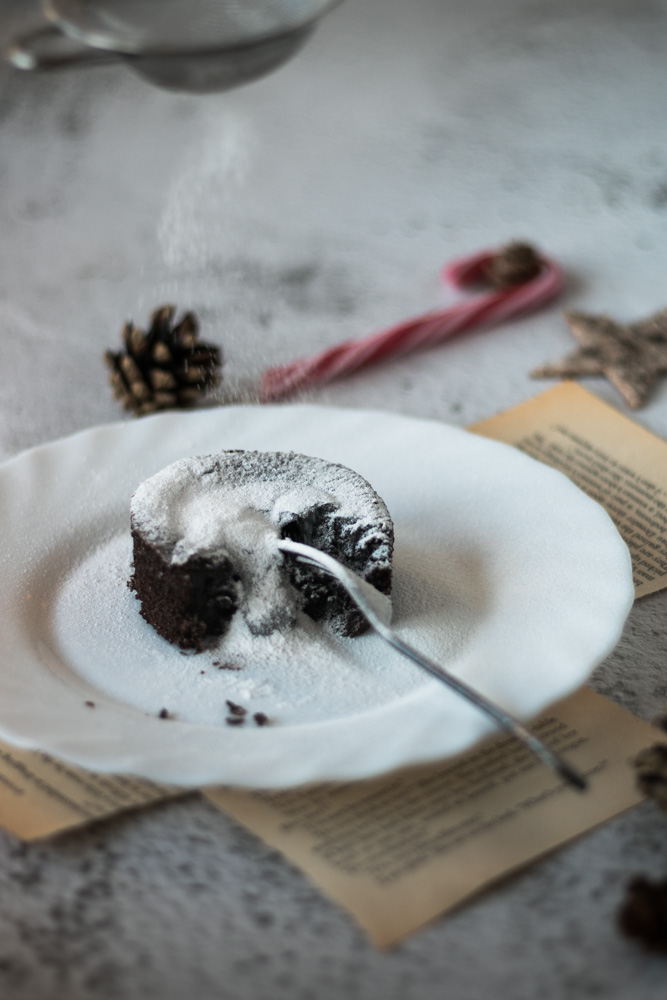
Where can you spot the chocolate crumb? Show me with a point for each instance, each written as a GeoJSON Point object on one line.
{"type": "Point", "coordinates": [164, 714]}
{"type": "Point", "coordinates": [90, 704]}
{"type": "Point", "coordinates": [261, 719]}
{"type": "Point", "coordinates": [235, 720]}
{"type": "Point", "coordinates": [236, 709]}
{"type": "Point", "coordinates": [224, 666]}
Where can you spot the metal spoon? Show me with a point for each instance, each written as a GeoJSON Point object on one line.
{"type": "Point", "coordinates": [376, 607]}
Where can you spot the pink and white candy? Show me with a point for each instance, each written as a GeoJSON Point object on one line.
{"type": "Point", "coordinates": [421, 331]}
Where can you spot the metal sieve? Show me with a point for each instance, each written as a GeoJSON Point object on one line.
{"type": "Point", "coordinates": [190, 45]}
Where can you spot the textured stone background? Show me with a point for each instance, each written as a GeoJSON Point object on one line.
{"type": "Point", "coordinates": [318, 204]}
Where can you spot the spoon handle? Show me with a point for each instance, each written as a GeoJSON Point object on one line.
{"type": "Point", "coordinates": [373, 606]}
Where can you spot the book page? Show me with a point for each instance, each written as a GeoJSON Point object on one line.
{"type": "Point", "coordinates": [400, 850]}
{"type": "Point", "coordinates": [41, 796]}
{"type": "Point", "coordinates": [609, 456]}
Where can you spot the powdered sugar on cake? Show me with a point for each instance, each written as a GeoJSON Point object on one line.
{"type": "Point", "coordinates": [296, 676]}
{"type": "Point", "coordinates": [188, 507]}
{"type": "Point", "coordinates": [237, 505]}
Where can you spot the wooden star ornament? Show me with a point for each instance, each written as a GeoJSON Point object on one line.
{"type": "Point", "coordinates": [631, 355]}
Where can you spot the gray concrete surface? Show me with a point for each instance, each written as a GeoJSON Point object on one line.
{"type": "Point", "coordinates": [315, 205]}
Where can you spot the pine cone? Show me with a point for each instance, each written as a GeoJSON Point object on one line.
{"type": "Point", "coordinates": [164, 367]}
{"type": "Point", "coordinates": [651, 766]}
{"type": "Point", "coordinates": [643, 914]}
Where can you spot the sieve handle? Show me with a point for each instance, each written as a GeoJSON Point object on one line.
{"type": "Point", "coordinates": [41, 50]}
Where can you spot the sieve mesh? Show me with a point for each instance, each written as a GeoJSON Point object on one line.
{"type": "Point", "coordinates": [137, 26]}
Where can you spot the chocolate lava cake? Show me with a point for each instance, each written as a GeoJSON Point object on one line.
{"type": "Point", "coordinates": [205, 531]}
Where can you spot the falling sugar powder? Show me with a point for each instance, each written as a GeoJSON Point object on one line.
{"type": "Point", "coordinates": [205, 190]}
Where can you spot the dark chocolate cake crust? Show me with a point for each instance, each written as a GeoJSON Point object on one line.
{"type": "Point", "coordinates": [185, 604]}
{"type": "Point", "coordinates": [204, 531]}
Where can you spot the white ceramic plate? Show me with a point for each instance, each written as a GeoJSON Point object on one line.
{"type": "Point", "coordinates": [505, 572]}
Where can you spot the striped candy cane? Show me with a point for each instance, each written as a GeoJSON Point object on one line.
{"type": "Point", "coordinates": [431, 328]}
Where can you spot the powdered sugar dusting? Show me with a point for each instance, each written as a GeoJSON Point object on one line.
{"type": "Point", "coordinates": [188, 507]}
{"type": "Point", "coordinates": [234, 505]}
{"type": "Point", "coordinates": [298, 675]}
{"type": "Point", "coordinates": [303, 674]}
